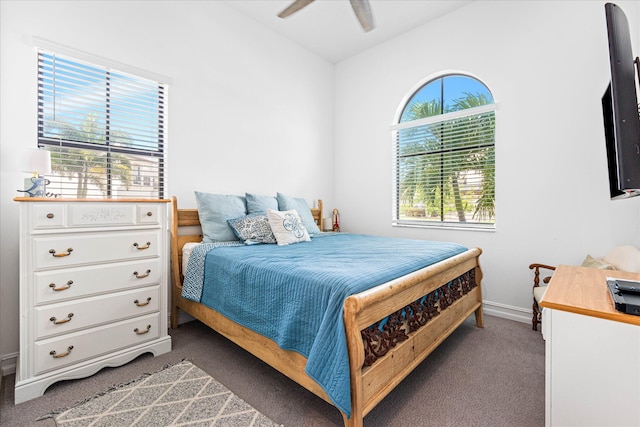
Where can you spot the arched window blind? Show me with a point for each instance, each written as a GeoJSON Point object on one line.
{"type": "Point", "coordinates": [444, 156]}
{"type": "Point", "coordinates": [105, 129]}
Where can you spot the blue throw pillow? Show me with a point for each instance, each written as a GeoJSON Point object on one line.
{"type": "Point", "coordinates": [252, 229]}
{"type": "Point", "coordinates": [286, 203]}
{"type": "Point", "coordinates": [260, 204]}
{"type": "Point", "coordinates": [214, 211]}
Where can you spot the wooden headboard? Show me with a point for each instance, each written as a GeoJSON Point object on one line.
{"type": "Point", "coordinates": [190, 218]}
{"type": "Point", "coordinates": [317, 215]}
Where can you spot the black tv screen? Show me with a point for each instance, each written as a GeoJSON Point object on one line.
{"type": "Point", "coordinates": [620, 108]}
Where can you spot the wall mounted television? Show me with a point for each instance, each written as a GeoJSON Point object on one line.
{"type": "Point", "coordinates": [620, 108]}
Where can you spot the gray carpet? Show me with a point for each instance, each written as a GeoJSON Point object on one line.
{"type": "Point", "coordinates": [477, 377]}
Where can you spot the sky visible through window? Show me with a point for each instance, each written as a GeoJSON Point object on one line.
{"type": "Point", "coordinates": [105, 129]}
{"type": "Point", "coordinates": [455, 87]}
{"type": "Point", "coordinates": [76, 91]}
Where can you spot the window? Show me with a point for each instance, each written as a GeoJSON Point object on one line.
{"type": "Point", "coordinates": [444, 152]}
{"type": "Point", "coordinates": [105, 129]}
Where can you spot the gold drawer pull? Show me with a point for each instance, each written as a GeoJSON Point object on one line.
{"type": "Point", "coordinates": [142, 247]}
{"type": "Point", "coordinates": [142, 304]}
{"type": "Point", "coordinates": [141, 276]}
{"type": "Point", "coordinates": [53, 252]}
{"type": "Point", "coordinates": [139, 332]}
{"type": "Point", "coordinates": [60, 322]}
{"type": "Point", "coordinates": [58, 356]}
{"type": "Point", "coordinates": [64, 288]}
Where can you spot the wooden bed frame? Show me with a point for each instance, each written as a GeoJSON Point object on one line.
{"type": "Point", "coordinates": [369, 384]}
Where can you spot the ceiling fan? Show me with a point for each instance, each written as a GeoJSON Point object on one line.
{"type": "Point", "coordinates": [360, 7]}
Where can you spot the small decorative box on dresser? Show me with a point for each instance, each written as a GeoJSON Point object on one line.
{"type": "Point", "coordinates": [93, 287]}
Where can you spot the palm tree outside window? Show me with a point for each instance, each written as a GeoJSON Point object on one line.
{"type": "Point", "coordinates": [105, 129]}
{"type": "Point", "coordinates": [444, 155]}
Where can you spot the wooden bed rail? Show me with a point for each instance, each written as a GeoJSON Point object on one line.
{"type": "Point", "coordinates": [392, 296]}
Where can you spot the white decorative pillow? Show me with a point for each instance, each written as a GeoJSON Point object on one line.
{"type": "Point", "coordinates": [252, 229]}
{"type": "Point", "coordinates": [287, 226]}
{"type": "Point", "coordinates": [286, 203]}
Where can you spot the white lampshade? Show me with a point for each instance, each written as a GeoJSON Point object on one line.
{"type": "Point", "coordinates": [40, 162]}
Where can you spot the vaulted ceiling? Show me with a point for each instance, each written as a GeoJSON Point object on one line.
{"type": "Point", "coordinates": [330, 28]}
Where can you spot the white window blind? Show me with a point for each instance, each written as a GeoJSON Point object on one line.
{"type": "Point", "coordinates": [105, 129]}
{"type": "Point", "coordinates": [445, 169]}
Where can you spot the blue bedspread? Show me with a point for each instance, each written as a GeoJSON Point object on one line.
{"type": "Point", "coordinates": [294, 294]}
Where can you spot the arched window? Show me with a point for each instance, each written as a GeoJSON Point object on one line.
{"type": "Point", "coordinates": [444, 149]}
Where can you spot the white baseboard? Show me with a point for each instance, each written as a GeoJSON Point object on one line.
{"type": "Point", "coordinates": [497, 309]}
{"type": "Point", "coordinates": [8, 364]}
{"type": "Point", "coordinates": [491, 308]}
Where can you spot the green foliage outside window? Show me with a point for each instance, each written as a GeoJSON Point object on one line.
{"type": "Point", "coordinates": [446, 166]}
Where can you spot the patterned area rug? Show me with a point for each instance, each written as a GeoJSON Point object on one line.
{"type": "Point", "coordinates": [178, 395]}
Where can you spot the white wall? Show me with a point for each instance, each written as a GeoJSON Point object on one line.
{"type": "Point", "coordinates": [248, 109]}
{"type": "Point", "coordinates": [242, 98]}
{"type": "Point", "coordinates": [546, 63]}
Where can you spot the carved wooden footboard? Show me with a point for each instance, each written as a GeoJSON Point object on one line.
{"type": "Point", "coordinates": [423, 308]}
{"type": "Point", "coordinates": [445, 307]}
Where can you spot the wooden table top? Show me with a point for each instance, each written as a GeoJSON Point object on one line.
{"type": "Point", "coordinates": [584, 290]}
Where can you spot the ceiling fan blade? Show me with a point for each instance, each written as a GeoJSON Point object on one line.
{"type": "Point", "coordinates": [363, 13]}
{"type": "Point", "coordinates": [294, 7]}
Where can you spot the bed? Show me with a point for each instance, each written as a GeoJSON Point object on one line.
{"type": "Point", "coordinates": [389, 328]}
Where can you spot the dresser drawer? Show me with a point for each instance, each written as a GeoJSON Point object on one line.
{"type": "Point", "coordinates": [54, 286]}
{"type": "Point", "coordinates": [55, 353]}
{"type": "Point", "coordinates": [49, 215]}
{"type": "Point", "coordinates": [99, 215]}
{"type": "Point", "coordinates": [55, 319]}
{"type": "Point", "coordinates": [147, 214]}
{"type": "Point", "coordinates": [89, 248]}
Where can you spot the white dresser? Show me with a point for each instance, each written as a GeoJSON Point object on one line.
{"type": "Point", "coordinates": [93, 287]}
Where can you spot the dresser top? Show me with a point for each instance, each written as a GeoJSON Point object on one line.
{"type": "Point", "coordinates": [584, 290]}
{"type": "Point", "coordinates": [69, 200]}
